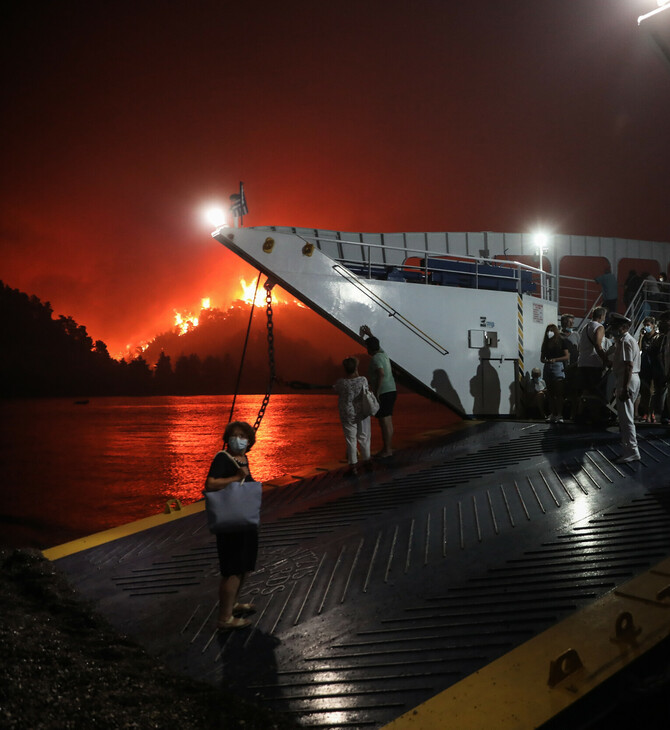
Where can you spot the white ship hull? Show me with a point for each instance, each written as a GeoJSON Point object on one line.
{"type": "Point", "coordinates": [469, 346]}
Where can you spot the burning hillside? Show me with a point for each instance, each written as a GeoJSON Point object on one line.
{"type": "Point", "coordinates": [307, 348]}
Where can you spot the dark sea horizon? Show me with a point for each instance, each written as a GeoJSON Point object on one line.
{"type": "Point", "coordinates": [70, 469]}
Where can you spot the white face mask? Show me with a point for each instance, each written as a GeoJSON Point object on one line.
{"type": "Point", "coordinates": [550, 334]}
{"type": "Point", "coordinates": [647, 329]}
{"type": "Point", "coordinates": [238, 444]}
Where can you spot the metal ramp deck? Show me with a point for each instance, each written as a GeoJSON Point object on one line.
{"type": "Point", "coordinates": [375, 594]}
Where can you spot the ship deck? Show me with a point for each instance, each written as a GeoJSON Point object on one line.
{"type": "Point", "coordinates": [382, 598]}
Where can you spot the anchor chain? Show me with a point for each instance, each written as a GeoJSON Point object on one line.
{"type": "Point", "coordinates": [271, 355]}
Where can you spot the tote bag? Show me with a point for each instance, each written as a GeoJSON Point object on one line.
{"type": "Point", "coordinates": [237, 505]}
{"type": "Point", "coordinates": [365, 403]}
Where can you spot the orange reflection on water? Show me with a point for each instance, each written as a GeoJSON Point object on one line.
{"type": "Point", "coordinates": [73, 470]}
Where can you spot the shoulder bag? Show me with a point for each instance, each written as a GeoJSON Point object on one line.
{"type": "Point", "coordinates": [235, 506]}
{"type": "Point", "coordinates": [365, 403]}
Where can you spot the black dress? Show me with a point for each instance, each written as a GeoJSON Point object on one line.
{"type": "Point", "coordinates": [238, 549]}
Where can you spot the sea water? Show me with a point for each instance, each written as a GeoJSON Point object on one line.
{"type": "Point", "coordinates": [71, 469]}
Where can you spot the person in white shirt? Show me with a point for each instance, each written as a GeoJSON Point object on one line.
{"type": "Point", "coordinates": [626, 368]}
{"type": "Point", "coordinates": [355, 426]}
{"type": "Point", "coordinates": [591, 358]}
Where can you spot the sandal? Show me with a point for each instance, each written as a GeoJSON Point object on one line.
{"type": "Point", "coordinates": [241, 609]}
{"type": "Point", "coordinates": [233, 623]}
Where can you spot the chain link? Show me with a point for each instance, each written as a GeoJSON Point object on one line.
{"type": "Point", "coordinates": [271, 359]}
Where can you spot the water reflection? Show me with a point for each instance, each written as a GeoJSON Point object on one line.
{"type": "Point", "coordinates": [70, 470]}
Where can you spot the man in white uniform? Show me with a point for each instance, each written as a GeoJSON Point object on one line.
{"type": "Point", "coordinates": [626, 369]}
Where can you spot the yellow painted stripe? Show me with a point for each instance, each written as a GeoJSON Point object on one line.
{"type": "Point", "coordinates": [514, 691]}
{"type": "Point", "coordinates": [132, 528]}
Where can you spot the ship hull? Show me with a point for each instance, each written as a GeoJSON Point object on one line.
{"type": "Point", "coordinates": [470, 347]}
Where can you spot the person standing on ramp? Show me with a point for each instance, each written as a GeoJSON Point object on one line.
{"type": "Point", "coordinates": [383, 386]}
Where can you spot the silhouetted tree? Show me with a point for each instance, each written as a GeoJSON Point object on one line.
{"type": "Point", "coordinates": [43, 356]}
{"type": "Point", "coordinates": [139, 377]}
{"type": "Point", "coordinates": [163, 375]}
{"type": "Point", "coordinates": [188, 374]}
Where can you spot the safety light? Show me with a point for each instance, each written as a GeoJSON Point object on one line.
{"type": "Point", "coordinates": [216, 216]}
{"type": "Point", "coordinates": [541, 241]}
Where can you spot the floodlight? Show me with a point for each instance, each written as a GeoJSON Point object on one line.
{"type": "Point", "coordinates": [541, 240]}
{"type": "Point", "coordinates": [216, 216]}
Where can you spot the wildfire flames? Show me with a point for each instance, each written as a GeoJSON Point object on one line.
{"type": "Point", "coordinates": [185, 321]}
{"type": "Point", "coordinates": [248, 294]}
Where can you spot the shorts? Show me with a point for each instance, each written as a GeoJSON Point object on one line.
{"type": "Point", "coordinates": [386, 403]}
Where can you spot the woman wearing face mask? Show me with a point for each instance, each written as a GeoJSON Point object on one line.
{"type": "Point", "coordinates": [651, 371]}
{"type": "Point", "coordinates": [237, 548]}
{"type": "Point", "coordinates": [555, 355]}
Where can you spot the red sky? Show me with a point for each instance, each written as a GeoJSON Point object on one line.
{"type": "Point", "coordinates": [121, 119]}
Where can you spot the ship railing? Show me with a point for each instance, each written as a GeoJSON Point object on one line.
{"type": "Point", "coordinates": [651, 300]}
{"type": "Point", "coordinates": [578, 296]}
{"type": "Point", "coordinates": [396, 263]}
{"type": "Point", "coordinates": [597, 302]}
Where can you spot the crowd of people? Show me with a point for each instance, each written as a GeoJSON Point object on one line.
{"type": "Point", "coordinates": [584, 372]}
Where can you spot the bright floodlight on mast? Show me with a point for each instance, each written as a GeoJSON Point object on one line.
{"type": "Point", "coordinates": [216, 216]}
{"type": "Point", "coordinates": [541, 241]}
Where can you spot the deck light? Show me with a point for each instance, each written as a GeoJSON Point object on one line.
{"type": "Point", "coordinates": [216, 216]}
{"type": "Point", "coordinates": [541, 240]}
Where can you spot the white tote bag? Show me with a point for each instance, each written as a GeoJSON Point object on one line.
{"type": "Point", "coordinates": [365, 403]}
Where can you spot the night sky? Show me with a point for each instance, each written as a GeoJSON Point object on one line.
{"type": "Point", "coordinates": [120, 120]}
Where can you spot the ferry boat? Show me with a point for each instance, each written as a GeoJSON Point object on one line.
{"type": "Point", "coordinates": [498, 573]}
{"type": "Point", "coordinates": [462, 315]}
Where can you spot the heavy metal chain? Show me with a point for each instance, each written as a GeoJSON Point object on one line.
{"type": "Point", "coordinates": [271, 357]}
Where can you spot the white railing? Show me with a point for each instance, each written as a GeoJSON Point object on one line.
{"type": "Point", "coordinates": [651, 300]}
{"type": "Point", "coordinates": [578, 296]}
{"type": "Point", "coordinates": [395, 263]}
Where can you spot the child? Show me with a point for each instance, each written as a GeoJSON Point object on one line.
{"type": "Point", "coordinates": [537, 391]}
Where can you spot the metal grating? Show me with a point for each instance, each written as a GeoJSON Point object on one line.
{"type": "Point", "coordinates": [374, 600]}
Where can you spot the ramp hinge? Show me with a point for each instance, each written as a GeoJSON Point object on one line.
{"type": "Point", "coordinates": [625, 631]}
{"type": "Point", "coordinates": [563, 666]}
{"type": "Point", "coordinates": [172, 505]}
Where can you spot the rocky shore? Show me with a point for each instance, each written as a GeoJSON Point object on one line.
{"type": "Point", "coordinates": [63, 666]}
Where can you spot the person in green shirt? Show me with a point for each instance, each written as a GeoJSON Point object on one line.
{"type": "Point", "coordinates": [383, 386]}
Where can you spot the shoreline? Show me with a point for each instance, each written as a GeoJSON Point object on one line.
{"type": "Point", "coordinates": [64, 666]}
